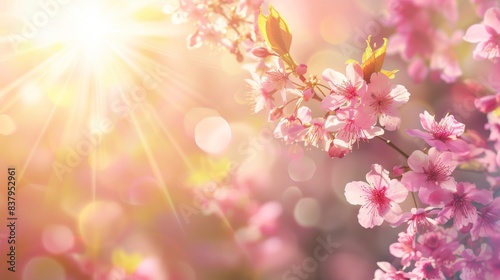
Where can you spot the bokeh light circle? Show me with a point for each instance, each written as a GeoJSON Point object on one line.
{"type": "Point", "coordinates": [100, 222]}
{"type": "Point", "coordinates": [307, 212]}
{"type": "Point", "coordinates": [57, 238]}
{"type": "Point", "coordinates": [213, 135]}
{"type": "Point", "coordinates": [301, 170]}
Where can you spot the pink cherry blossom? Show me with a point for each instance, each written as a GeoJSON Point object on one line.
{"type": "Point", "coordinates": [338, 149]}
{"type": "Point", "coordinates": [383, 99]}
{"type": "Point", "coordinates": [189, 11]}
{"type": "Point", "coordinates": [487, 103]}
{"type": "Point", "coordinates": [389, 272]}
{"type": "Point", "coordinates": [261, 93]}
{"type": "Point", "coordinates": [212, 34]}
{"type": "Point", "coordinates": [428, 268]}
{"type": "Point", "coordinates": [316, 134]}
{"type": "Point", "coordinates": [461, 208]}
{"type": "Point", "coordinates": [474, 266]}
{"type": "Point", "coordinates": [444, 59]}
{"type": "Point", "coordinates": [422, 42]}
{"type": "Point", "coordinates": [405, 248]}
{"type": "Point", "coordinates": [351, 125]}
{"type": "Point", "coordinates": [379, 198]}
{"type": "Point", "coordinates": [420, 222]}
{"type": "Point", "coordinates": [412, 41]}
{"type": "Point", "coordinates": [417, 70]}
{"type": "Point", "coordinates": [430, 175]}
{"type": "Point", "coordinates": [487, 35]}
{"type": "Point", "coordinates": [441, 245]}
{"type": "Point", "coordinates": [278, 78]}
{"type": "Point", "coordinates": [345, 90]}
{"type": "Point", "coordinates": [488, 221]}
{"type": "Point", "coordinates": [291, 128]}
{"type": "Point", "coordinates": [443, 134]}
{"type": "Point", "coordinates": [402, 12]}
{"type": "Point", "coordinates": [265, 219]}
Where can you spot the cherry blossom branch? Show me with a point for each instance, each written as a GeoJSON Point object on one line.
{"type": "Point", "coordinates": [392, 145]}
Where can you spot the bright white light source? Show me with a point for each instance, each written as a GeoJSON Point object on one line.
{"type": "Point", "coordinates": [91, 28]}
{"type": "Point", "coordinates": [85, 26]}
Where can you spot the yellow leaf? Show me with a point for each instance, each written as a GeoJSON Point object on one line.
{"type": "Point", "coordinates": [373, 60]}
{"type": "Point", "coordinates": [275, 31]}
{"type": "Point", "coordinates": [389, 74]}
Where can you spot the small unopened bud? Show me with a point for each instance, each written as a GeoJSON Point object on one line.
{"type": "Point", "coordinates": [308, 93]}
{"type": "Point", "coordinates": [336, 150]}
{"type": "Point", "coordinates": [301, 70]}
{"type": "Point", "coordinates": [276, 113]}
{"type": "Point", "coordinates": [486, 104]}
{"type": "Point", "coordinates": [261, 52]}
{"type": "Point", "coordinates": [398, 170]}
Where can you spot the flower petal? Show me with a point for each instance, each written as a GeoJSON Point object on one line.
{"type": "Point", "coordinates": [492, 19]}
{"type": "Point", "coordinates": [356, 192]}
{"type": "Point", "coordinates": [396, 191]}
{"type": "Point", "coordinates": [477, 33]}
{"type": "Point", "coordinates": [481, 196]}
{"type": "Point", "coordinates": [369, 217]}
{"type": "Point", "coordinates": [418, 160]}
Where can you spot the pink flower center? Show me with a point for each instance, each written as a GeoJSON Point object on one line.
{"type": "Point", "coordinates": [462, 204]}
{"type": "Point", "coordinates": [437, 172]}
{"type": "Point", "coordinates": [421, 223]}
{"type": "Point", "coordinates": [277, 78]}
{"type": "Point", "coordinates": [348, 91]}
{"type": "Point", "coordinates": [378, 196]}
{"type": "Point", "coordinates": [441, 131]}
{"type": "Point", "coordinates": [315, 135]}
{"type": "Point", "coordinates": [352, 131]}
{"type": "Point", "coordinates": [432, 242]}
{"type": "Point", "coordinates": [430, 271]}
{"type": "Point", "coordinates": [381, 102]}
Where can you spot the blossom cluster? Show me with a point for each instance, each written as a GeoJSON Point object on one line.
{"type": "Point", "coordinates": [356, 105]}
{"type": "Point", "coordinates": [453, 229]}
{"type": "Point", "coordinates": [421, 38]}
{"type": "Point", "coordinates": [226, 24]}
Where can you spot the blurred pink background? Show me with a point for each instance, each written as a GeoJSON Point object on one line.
{"type": "Point", "coordinates": [137, 158]}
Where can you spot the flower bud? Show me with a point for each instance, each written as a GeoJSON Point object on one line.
{"type": "Point", "coordinates": [301, 70]}
{"type": "Point", "coordinates": [276, 113]}
{"type": "Point", "coordinates": [486, 104]}
{"type": "Point", "coordinates": [398, 170]}
{"type": "Point", "coordinates": [337, 150]}
{"type": "Point", "coordinates": [261, 52]}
